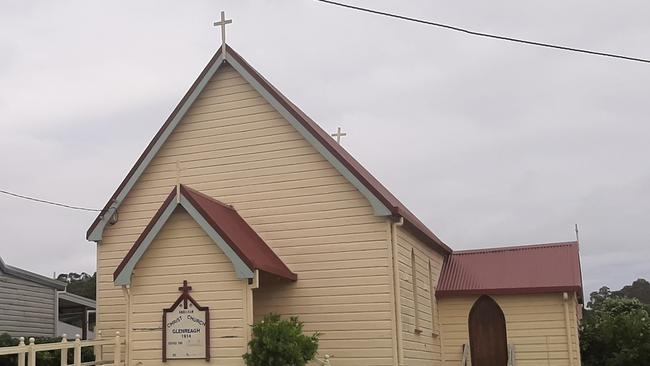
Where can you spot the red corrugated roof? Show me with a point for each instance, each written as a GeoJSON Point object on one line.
{"type": "Point", "coordinates": [238, 234]}
{"type": "Point", "coordinates": [537, 268]}
{"type": "Point", "coordinates": [231, 227]}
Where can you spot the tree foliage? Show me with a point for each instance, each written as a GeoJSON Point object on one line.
{"type": "Point", "coordinates": [640, 289]}
{"type": "Point", "coordinates": [615, 331]}
{"type": "Point", "coordinates": [81, 284]}
{"type": "Point", "coordinates": [280, 342]}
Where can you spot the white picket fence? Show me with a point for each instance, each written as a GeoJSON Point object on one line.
{"type": "Point", "coordinates": [27, 352]}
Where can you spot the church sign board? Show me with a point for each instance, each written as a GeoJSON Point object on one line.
{"type": "Point", "coordinates": [186, 329]}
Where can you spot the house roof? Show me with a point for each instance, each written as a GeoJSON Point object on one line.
{"type": "Point", "coordinates": [246, 250]}
{"type": "Point", "coordinates": [31, 276]}
{"type": "Point", "coordinates": [368, 182]}
{"type": "Point", "coordinates": [76, 300]}
{"type": "Point", "coordinates": [540, 268]}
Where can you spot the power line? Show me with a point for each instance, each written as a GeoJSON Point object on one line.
{"type": "Point", "coordinates": [486, 35]}
{"type": "Point", "coordinates": [48, 202]}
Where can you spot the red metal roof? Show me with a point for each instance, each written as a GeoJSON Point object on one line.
{"type": "Point", "coordinates": [397, 209]}
{"type": "Point", "coordinates": [238, 234]}
{"type": "Point", "coordinates": [231, 227]}
{"type": "Point", "coordinates": [537, 268]}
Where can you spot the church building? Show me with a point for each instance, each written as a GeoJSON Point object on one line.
{"type": "Point", "coordinates": [242, 206]}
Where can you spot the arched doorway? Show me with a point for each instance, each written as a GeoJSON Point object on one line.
{"type": "Point", "coordinates": [487, 333]}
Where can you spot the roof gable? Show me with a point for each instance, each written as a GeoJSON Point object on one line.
{"type": "Point", "coordinates": [239, 242]}
{"type": "Point", "coordinates": [381, 200]}
{"type": "Point", "coordinates": [538, 268]}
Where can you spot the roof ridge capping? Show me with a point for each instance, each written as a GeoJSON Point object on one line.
{"type": "Point", "coordinates": [383, 202]}
{"type": "Point", "coordinates": [516, 247]}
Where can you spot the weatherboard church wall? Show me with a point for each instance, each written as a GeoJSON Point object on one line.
{"type": "Point", "coordinates": [233, 146]}
{"type": "Point", "coordinates": [535, 325]}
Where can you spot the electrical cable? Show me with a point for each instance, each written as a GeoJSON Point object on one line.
{"type": "Point", "coordinates": [487, 35]}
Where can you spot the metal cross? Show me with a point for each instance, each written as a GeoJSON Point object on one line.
{"type": "Point", "coordinates": [338, 135]}
{"type": "Point", "coordinates": [222, 24]}
{"type": "Point", "coordinates": [186, 293]}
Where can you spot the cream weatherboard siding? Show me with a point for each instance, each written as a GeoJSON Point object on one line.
{"type": "Point", "coordinates": [183, 251]}
{"type": "Point", "coordinates": [423, 348]}
{"type": "Point", "coordinates": [535, 325]}
{"type": "Point", "coordinates": [233, 146]}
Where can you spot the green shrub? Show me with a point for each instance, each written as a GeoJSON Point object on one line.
{"type": "Point", "coordinates": [278, 342]}
{"type": "Point", "coordinates": [45, 358]}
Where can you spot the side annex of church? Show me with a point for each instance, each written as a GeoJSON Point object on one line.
{"type": "Point", "coordinates": [268, 214]}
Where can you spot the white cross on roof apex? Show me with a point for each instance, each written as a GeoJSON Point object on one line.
{"type": "Point", "coordinates": [222, 23]}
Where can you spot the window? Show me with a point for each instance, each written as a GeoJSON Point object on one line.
{"type": "Point", "coordinates": [416, 306]}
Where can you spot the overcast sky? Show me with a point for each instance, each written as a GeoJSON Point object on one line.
{"type": "Point", "coordinates": [489, 143]}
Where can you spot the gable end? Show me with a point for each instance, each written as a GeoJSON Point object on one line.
{"type": "Point", "coordinates": [381, 200]}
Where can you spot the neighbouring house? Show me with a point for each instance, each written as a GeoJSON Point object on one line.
{"type": "Point", "coordinates": [32, 305]}
{"type": "Point", "coordinates": [246, 206]}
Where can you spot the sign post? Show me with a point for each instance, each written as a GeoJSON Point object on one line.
{"type": "Point", "coordinates": [186, 329]}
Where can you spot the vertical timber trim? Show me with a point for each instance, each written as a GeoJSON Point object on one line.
{"type": "Point", "coordinates": [250, 285]}
{"type": "Point", "coordinates": [414, 280]}
{"type": "Point", "coordinates": [247, 308]}
{"type": "Point", "coordinates": [56, 313]}
{"type": "Point", "coordinates": [127, 334]}
{"type": "Point", "coordinates": [567, 320]}
{"type": "Point", "coordinates": [434, 307]}
{"type": "Point", "coordinates": [443, 358]}
{"type": "Point", "coordinates": [396, 285]}
{"type": "Point", "coordinates": [393, 290]}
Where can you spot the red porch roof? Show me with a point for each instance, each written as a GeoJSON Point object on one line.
{"type": "Point", "coordinates": [540, 268]}
{"type": "Point", "coordinates": [238, 234]}
{"type": "Point", "coordinates": [230, 226]}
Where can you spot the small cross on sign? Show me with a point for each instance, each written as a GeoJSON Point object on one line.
{"type": "Point", "coordinates": [186, 293]}
{"type": "Point", "coordinates": [222, 23]}
{"type": "Point", "coordinates": [338, 135]}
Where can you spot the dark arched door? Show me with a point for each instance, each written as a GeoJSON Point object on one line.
{"type": "Point", "coordinates": [487, 333]}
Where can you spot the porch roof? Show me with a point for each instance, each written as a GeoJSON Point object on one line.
{"type": "Point", "coordinates": [239, 242]}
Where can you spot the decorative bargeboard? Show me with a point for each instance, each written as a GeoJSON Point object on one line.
{"type": "Point", "coordinates": [186, 329]}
